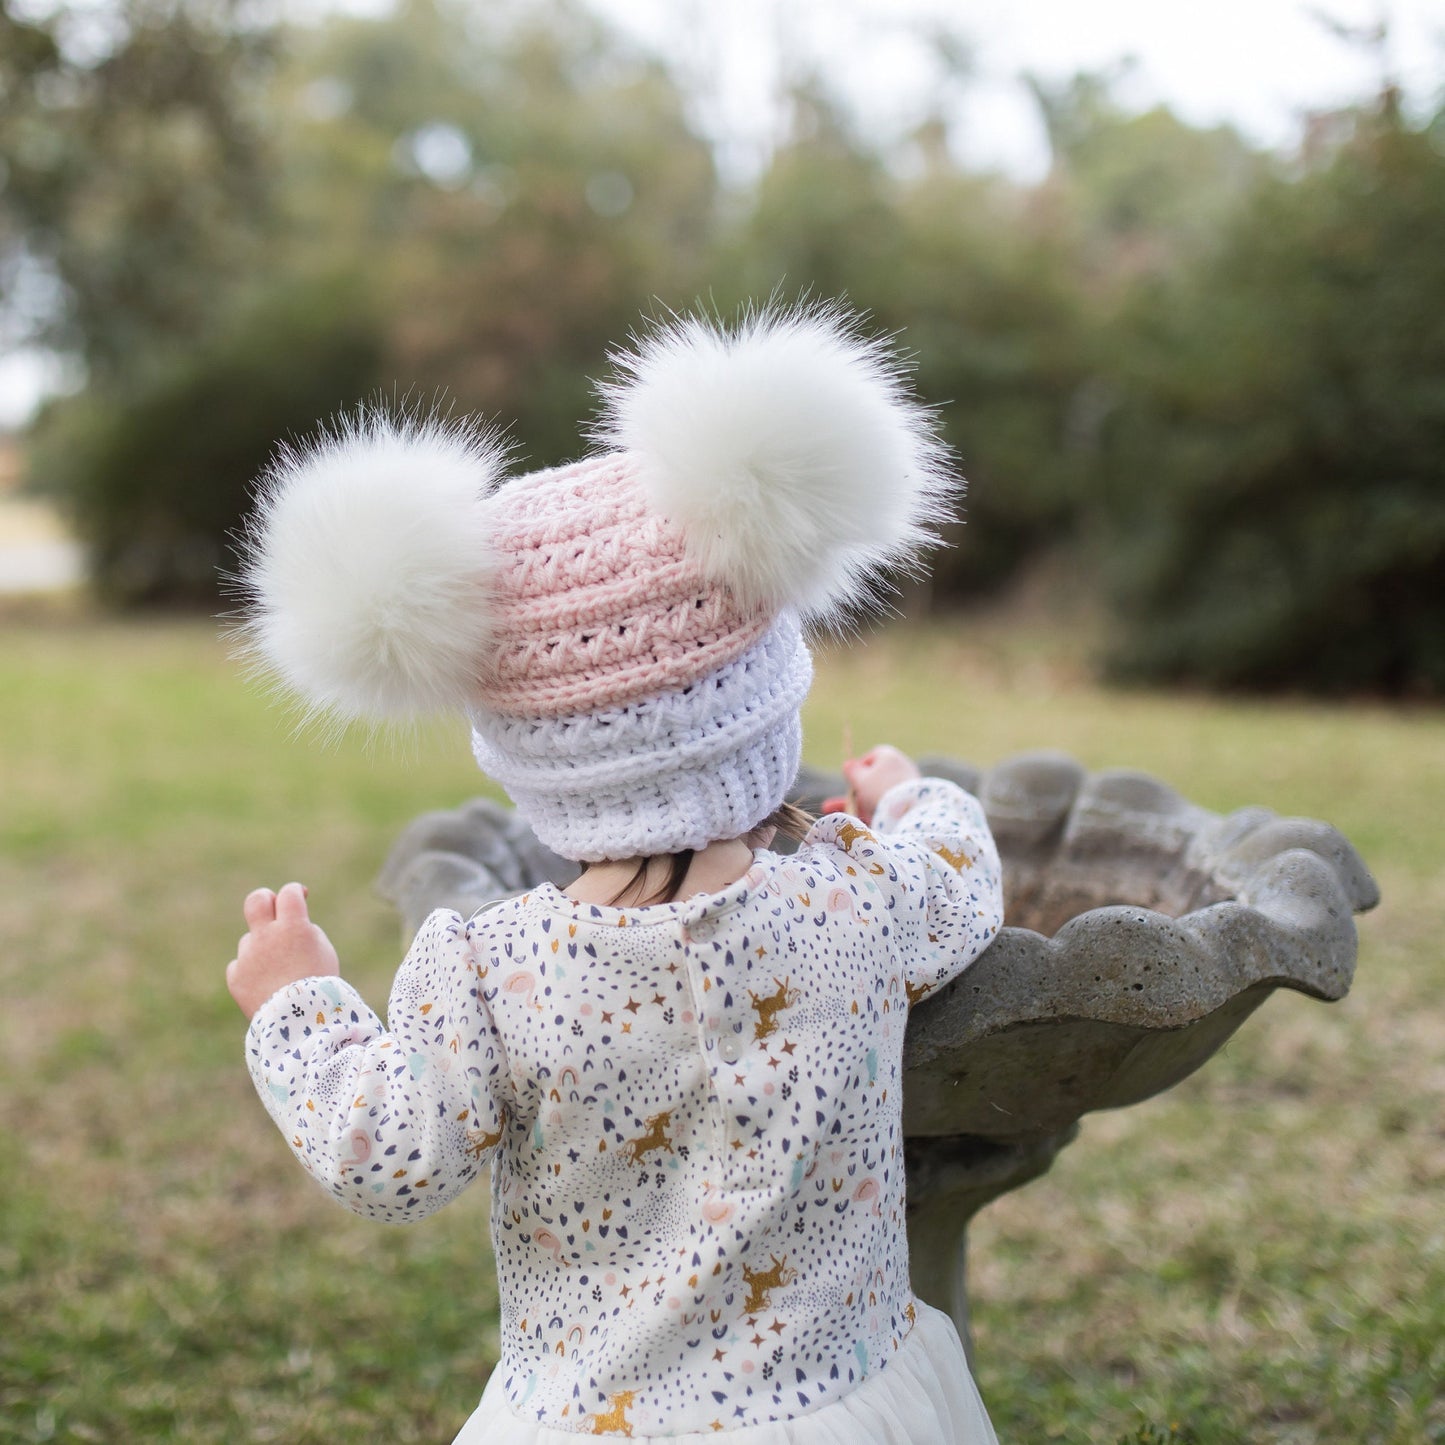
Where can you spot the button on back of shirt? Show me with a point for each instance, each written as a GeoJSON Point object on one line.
{"type": "Point", "coordinates": [731, 1049]}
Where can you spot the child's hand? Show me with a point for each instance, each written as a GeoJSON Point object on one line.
{"type": "Point", "coordinates": [870, 777]}
{"type": "Point", "coordinates": [283, 945]}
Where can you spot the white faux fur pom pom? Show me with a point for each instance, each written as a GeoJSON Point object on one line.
{"type": "Point", "coordinates": [367, 566]}
{"type": "Point", "coordinates": [790, 452]}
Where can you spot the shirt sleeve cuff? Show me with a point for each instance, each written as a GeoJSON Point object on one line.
{"type": "Point", "coordinates": [308, 1003]}
{"type": "Point", "coordinates": [902, 798]}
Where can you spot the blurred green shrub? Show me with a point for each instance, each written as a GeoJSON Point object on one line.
{"type": "Point", "coordinates": [1004, 294]}
{"type": "Point", "coordinates": [983, 302]}
{"type": "Point", "coordinates": [157, 477]}
{"type": "Point", "coordinates": [1274, 487]}
{"type": "Point", "coordinates": [135, 183]}
{"type": "Point", "coordinates": [521, 185]}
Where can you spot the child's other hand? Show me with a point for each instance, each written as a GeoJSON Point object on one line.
{"type": "Point", "coordinates": [283, 945]}
{"type": "Point", "coordinates": [870, 777]}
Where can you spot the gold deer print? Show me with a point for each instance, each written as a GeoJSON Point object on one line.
{"type": "Point", "coordinates": [762, 1283]}
{"type": "Point", "coordinates": [479, 1140]}
{"type": "Point", "coordinates": [957, 861]}
{"type": "Point", "coordinates": [614, 1421]}
{"type": "Point", "coordinates": [849, 834]}
{"type": "Point", "coordinates": [655, 1138]}
{"type": "Point", "coordinates": [770, 1006]}
{"type": "Point", "coordinates": [916, 991]}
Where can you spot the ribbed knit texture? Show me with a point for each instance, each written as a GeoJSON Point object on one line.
{"type": "Point", "coordinates": [597, 602]}
{"type": "Point", "coordinates": [660, 773]}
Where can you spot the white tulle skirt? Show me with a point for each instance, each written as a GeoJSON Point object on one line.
{"type": "Point", "coordinates": [925, 1396]}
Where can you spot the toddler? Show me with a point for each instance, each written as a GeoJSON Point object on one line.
{"type": "Point", "coordinates": [682, 1074]}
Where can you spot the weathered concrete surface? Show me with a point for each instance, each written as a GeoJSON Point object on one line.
{"type": "Point", "coordinates": [1141, 931]}
{"type": "Point", "coordinates": [949, 1181]}
{"type": "Point", "coordinates": [465, 858]}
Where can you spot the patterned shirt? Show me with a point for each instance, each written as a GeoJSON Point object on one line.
{"type": "Point", "coordinates": [691, 1113]}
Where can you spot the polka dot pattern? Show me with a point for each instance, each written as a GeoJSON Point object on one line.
{"type": "Point", "coordinates": [692, 1113]}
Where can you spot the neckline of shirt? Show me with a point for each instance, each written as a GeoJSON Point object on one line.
{"type": "Point", "coordinates": [699, 905]}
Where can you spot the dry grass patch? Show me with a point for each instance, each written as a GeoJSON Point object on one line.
{"type": "Point", "coordinates": [1257, 1256]}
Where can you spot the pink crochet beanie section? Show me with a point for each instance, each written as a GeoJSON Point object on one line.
{"type": "Point", "coordinates": [598, 602]}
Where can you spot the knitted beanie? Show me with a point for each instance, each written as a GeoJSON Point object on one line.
{"type": "Point", "coordinates": [625, 634]}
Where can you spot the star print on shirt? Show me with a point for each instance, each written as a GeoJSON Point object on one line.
{"type": "Point", "coordinates": [604, 1214]}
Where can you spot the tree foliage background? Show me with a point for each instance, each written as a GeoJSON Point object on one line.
{"type": "Point", "coordinates": [1212, 380]}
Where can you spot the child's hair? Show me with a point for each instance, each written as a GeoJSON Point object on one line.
{"type": "Point", "coordinates": [787, 818]}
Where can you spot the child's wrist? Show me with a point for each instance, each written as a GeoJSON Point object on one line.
{"type": "Point", "coordinates": [896, 800]}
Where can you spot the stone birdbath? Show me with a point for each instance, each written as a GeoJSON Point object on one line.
{"type": "Point", "coordinates": [1141, 931]}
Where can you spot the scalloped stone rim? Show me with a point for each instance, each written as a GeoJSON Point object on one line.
{"type": "Point", "coordinates": [1158, 927]}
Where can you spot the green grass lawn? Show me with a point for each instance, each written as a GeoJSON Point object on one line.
{"type": "Point", "coordinates": [1257, 1256]}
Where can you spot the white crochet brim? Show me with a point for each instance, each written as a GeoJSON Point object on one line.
{"type": "Point", "coordinates": [679, 770]}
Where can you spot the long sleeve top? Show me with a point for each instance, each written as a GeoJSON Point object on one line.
{"type": "Point", "coordinates": [691, 1114]}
